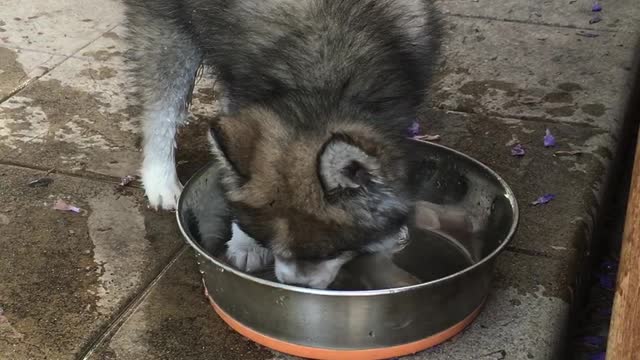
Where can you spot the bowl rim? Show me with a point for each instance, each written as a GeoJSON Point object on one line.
{"type": "Point", "coordinates": [514, 225]}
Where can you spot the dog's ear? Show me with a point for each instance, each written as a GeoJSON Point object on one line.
{"type": "Point", "coordinates": [360, 177]}
{"type": "Point", "coordinates": [233, 144]}
{"type": "Point", "coordinates": [343, 165]}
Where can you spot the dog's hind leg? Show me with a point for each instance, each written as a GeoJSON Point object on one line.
{"type": "Point", "coordinates": [164, 61]}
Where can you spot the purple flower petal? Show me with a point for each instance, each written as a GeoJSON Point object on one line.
{"type": "Point", "coordinates": [549, 140]}
{"type": "Point", "coordinates": [517, 150]}
{"type": "Point", "coordinates": [543, 199]}
{"type": "Point", "coordinates": [596, 7]}
{"type": "Point", "coordinates": [63, 206]}
{"type": "Point", "coordinates": [607, 281]}
{"type": "Point", "coordinates": [604, 312]}
{"type": "Point", "coordinates": [594, 340]}
{"type": "Point", "coordinates": [414, 129]}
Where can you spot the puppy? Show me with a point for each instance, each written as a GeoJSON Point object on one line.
{"type": "Point", "coordinates": [317, 96]}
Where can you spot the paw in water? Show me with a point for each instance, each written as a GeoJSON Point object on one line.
{"type": "Point", "coordinates": [246, 254]}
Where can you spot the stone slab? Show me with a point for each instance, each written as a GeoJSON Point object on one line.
{"type": "Point", "coordinates": [18, 67]}
{"type": "Point", "coordinates": [76, 117]}
{"type": "Point", "coordinates": [526, 71]}
{"type": "Point", "coordinates": [176, 322]}
{"type": "Point", "coordinates": [81, 118]}
{"type": "Point", "coordinates": [56, 26]}
{"type": "Point", "coordinates": [65, 276]}
{"type": "Point", "coordinates": [619, 15]}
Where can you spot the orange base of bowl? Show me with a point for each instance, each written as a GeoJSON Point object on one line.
{"type": "Point", "coordinates": [333, 354]}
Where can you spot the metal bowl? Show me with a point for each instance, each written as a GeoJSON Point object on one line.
{"type": "Point", "coordinates": [422, 295]}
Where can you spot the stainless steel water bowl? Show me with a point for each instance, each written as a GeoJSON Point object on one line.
{"type": "Point", "coordinates": [424, 294]}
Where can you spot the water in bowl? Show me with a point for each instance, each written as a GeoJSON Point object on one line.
{"type": "Point", "coordinates": [427, 256]}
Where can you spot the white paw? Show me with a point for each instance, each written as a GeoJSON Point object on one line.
{"type": "Point", "coordinates": [162, 187]}
{"type": "Point", "coordinates": [246, 254]}
{"type": "Point", "coordinates": [317, 275]}
{"type": "Point", "coordinates": [392, 243]}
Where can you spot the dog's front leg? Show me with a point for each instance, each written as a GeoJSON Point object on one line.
{"type": "Point", "coordinates": [165, 62]}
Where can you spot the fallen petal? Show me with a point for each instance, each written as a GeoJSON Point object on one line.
{"type": "Point", "coordinates": [517, 150]}
{"type": "Point", "coordinates": [549, 140]}
{"type": "Point", "coordinates": [63, 206]}
{"type": "Point", "coordinates": [543, 199]}
{"type": "Point", "coordinates": [604, 312]}
{"type": "Point", "coordinates": [594, 340]}
{"type": "Point", "coordinates": [414, 129]}
{"type": "Point", "coordinates": [596, 7]}
{"type": "Point", "coordinates": [607, 281]}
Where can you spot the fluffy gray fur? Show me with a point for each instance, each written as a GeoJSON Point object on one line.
{"type": "Point", "coordinates": [311, 62]}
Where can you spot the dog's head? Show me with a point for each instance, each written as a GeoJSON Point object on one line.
{"type": "Point", "coordinates": [317, 196]}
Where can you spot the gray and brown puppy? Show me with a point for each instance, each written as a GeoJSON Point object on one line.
{"type": "Point", "coordinates": [317, 97]}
